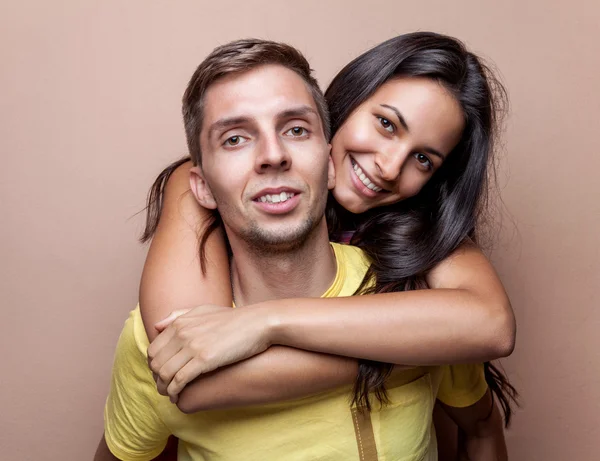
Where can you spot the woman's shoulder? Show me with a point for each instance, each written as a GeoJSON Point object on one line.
{"type": "Point", "coordinates": [467, 260]}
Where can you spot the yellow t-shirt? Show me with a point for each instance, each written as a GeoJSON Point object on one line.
{"type": "Point", "coordinates": [138, 421]}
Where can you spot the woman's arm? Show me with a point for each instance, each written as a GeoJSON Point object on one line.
{"type": "Point", "coordinates": [279, 374]}
{"type": "Point", "coordinates": [473, 309]}
{"type": "Point", "coordinates": [465, 317]}
{"type": "Point", "coordinates": [172, 278]}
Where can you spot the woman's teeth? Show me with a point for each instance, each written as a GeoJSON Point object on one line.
{"type": "Point", "coordinates": [276, 198]}
{"type": "Point", "coordinates": [363, 178]}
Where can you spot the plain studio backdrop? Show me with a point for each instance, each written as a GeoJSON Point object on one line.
{"type": "Point", "coordinates": [90, 95]}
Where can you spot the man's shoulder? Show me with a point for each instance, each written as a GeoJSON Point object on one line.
{"type": "Point", "coordinates": [135, 332]}
{"type": "Point", "coordinates": [353, 265]}
{"type": "Point", "coordinates": [130, 366]}
{"type": "Point", "coordinates": [351, 256]}
{"type": "Point", "coordinates": [133, 343]}
{"type": "Point", "coordinates": [133, 414]}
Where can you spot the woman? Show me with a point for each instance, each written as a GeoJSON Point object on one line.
{"type": "Point", "coordinates": [413, 123]}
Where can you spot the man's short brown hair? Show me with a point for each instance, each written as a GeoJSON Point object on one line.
{"type": "Point", "coordinates": [237, 57]}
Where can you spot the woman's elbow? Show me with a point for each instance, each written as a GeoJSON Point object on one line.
{"type": "Point", "coordinates": [504, 332]}
{"type": "Point", "coordinates": [186, 407]}
{"type": "Point", "coordinates": [189, 403]}
{"type": "Point", "coordinates": [505, 345]}
{"type": "Point", "coordinates": [203, 399]}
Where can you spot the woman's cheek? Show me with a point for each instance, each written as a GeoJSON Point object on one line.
{"type": "Point", "coordinates": [415, 186]}
{"type": "Point", "coordinates": [358, 135]}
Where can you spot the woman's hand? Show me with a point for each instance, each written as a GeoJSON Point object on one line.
{"type": "Point", "coordinates": [202, 339]}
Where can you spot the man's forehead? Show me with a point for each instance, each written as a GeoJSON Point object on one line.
{"type": "Point", "coordinates": [264, 91]}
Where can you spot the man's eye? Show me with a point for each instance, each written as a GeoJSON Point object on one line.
{"type": "Point", "coordinates": [297, 131]}
{"type": "Point", "coordinates": [386, 124]}
{"type": "Point", "coordinates": [234, 140]}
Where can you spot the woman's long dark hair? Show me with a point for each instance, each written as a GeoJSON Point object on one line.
{"type": "Point", "coordinates": [408, 239]}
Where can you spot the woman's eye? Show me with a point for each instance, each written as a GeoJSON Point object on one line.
{"type": "Point", "coordinates": [424, 160]}
{"type": "Point", "coordinates": [297, 131]}
{"type": "Point", "coordinates": [386, 124]}
{"type": "Point", "coordinates": [234, 141]}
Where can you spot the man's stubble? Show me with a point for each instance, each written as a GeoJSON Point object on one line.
{"type": "Point", "coordinates": [265, 242]}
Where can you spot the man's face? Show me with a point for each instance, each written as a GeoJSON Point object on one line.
{"type": "Point", "coordinates": [265, 159]}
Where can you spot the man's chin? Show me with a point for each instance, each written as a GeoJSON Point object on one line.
{"type": "Point", "coordinates": [278, 240]}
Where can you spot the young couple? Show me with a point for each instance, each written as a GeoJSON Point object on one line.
{"type": "Point", "coordinates": [394, 158]}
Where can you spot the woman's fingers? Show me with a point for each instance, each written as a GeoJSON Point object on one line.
{"type": "Point", "coordinates": [164, 323]}
{"type": "Point", "coordinates": [170, 369]}
{"type": "Point", "coordinates": [163, 349]}
{"type": "Point", "coordinates": [190, 371]}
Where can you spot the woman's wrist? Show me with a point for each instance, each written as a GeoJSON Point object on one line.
{"type": "Point", "coordinates": [271, 321]}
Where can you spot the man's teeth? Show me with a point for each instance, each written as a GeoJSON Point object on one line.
{"type": "Point", "coordinates": [276, 198]}
{"type": "Point", "coordinates": [366, 181]}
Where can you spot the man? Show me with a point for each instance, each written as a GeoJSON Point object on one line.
{"type": "Point", "coordinates": [257, 131]}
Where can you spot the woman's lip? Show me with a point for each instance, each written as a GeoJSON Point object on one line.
{"type": "Point", "coordinates": [358, 185]}
{"type": "Point", "coordinates": [352, 159]}
{"type": "Point", "coordinates": [353, 163]}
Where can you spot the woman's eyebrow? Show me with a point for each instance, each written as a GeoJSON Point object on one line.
{"type": "Point", "coordinates": [429, 150]}
{"type": "Point", "coordinates": [398, 114]}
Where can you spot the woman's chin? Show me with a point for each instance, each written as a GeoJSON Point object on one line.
{"type": "Point", "coordinates": [349, 201]}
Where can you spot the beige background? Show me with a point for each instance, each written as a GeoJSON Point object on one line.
{"type": "Point", "coordinates": [90, 112]}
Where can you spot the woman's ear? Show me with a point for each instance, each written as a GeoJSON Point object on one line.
{"type": "Point", "coordinates": [201, 190]}
{"type": "Point", "coordinates": [330, 172]}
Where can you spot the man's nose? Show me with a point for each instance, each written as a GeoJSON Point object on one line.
{"type": "Point", "coordinates": [272, 154]}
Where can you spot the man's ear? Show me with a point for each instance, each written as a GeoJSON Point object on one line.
{"type": "Point", "coordinates": [330, 171]}
{"type": "Point", "coordinates": [201, 190]}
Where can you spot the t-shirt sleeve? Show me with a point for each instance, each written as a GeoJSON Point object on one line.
{"type": "Point", "coordinates": [462, 385]}
{"type": "Point", "coordinates": [133, 428]}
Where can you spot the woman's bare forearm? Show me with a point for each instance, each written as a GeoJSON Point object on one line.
{"type": "Point", "coordinates": [428, 327]}
{"type": "Point", "coordinates": [278, 374]}
{"type": "Point", "coordinates": [465, 317]}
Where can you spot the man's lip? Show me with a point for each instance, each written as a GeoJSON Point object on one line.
{"type": "Point", "coordinates": [275, 190]}
{"type": "Point", "coordinates": [278, 208]}
{"type": "Point", "coordinates": [352, 159]}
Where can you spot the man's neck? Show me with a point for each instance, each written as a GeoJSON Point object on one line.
{"type": "Point", "coordinates": [306, 271]}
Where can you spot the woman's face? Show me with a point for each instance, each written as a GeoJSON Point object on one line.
{"type": "Point", "coordinates": [391, 145]}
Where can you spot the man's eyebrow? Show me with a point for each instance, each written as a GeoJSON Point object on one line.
{"type": "Point", "coordinates": [398, 114]}
{"type": "Point", "coordinates": [224, 123]}
{"type": "Point", "coordinates": [227, 122]}
{"type": "Point", "coordinates": [300, 111]}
